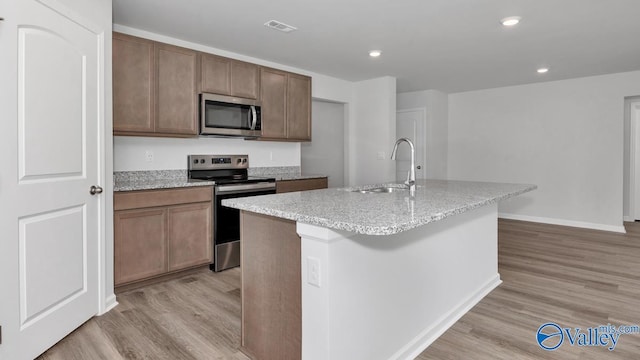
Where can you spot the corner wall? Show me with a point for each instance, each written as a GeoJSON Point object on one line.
{"type": "Point", "coordinates": [564, 136]}
{"type": "Point", "coordinates": [372, 132]}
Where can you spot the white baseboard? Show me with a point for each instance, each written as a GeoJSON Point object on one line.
{"type": "Point", "coordinates": [110, 303]}
{"type": "Point", "coordinates": [431, 334]}
{"type": "Point", "coordinates": [578, 224]}
{"type": "Point", "coordinates": [628, 218]}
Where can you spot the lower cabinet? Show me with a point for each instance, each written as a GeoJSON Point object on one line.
{"type": "Point", "coordinates": [158, 232]}
{"type": "Point", "coordinates": [285, 186]}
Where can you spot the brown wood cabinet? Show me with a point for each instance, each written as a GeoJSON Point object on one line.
{"type": "Point", "coordinates": [176, 93]}
{"type": "Point", "coordinates": [133, 84]}
{"type": "Point", "coordinates": [285, 186]}
{"type": "Point", "coordinates": [286, 105]}
{"type": "Point", "coordinates": [224, 76]}
{"type": "Point", "coordinates": [158, 232]}
{"type": "Point", "coordinates": [154, 88]}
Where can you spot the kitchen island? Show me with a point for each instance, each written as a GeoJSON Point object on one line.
{"type": "Point", "coordinates": [358, 273]}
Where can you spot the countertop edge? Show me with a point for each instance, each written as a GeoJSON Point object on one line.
{"type": "Point", "coordinates": [379, 230]}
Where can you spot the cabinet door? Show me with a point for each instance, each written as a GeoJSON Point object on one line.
{"type": "Point", "coordinates": [215, 75]}
{"type": "Point", "coordinates": [133, 84]}
{"type": "Point", "coordinates": [273, 92]}
{"type": "Point", "coordinates": [299, 107]}
{"type": "Point", "coordinates": [176, 99]}
{"type": "Point", "coordinates": [245, 80]}
{"type": "Point", "coordinates": [139, 244]}
{"type": "Point", "coordinates": [190, 235]}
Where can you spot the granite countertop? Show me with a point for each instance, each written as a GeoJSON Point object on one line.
{"type": "Point", "coordinates": [380, 214]}
{"type": "Point", "coordinates": [154, 179]}
{"type": "Point", "coordinates": [166, 179]}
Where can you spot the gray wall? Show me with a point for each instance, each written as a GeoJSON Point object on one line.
{"type": "Point", "coordinates": [325, 154]}
{"type": "Point", "coordinates": [564, 136]}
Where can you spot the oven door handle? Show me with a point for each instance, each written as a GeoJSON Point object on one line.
{"type": "Point", "coordinates": [227, 189]}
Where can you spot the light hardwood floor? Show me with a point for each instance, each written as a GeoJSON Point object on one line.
{"type": "Point", "coordinates": [573, 277]}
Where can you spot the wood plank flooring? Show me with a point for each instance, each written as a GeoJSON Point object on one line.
{"type": "Point", "coordinates": [573, 277]}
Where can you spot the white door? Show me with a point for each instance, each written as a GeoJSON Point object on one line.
{"type": "Point", "coordinates": [49, 97]}
{"type": "Point", "coordinates": [410, 124]}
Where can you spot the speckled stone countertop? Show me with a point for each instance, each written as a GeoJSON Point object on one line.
{"type": "Point", "coordinates": [166, 179]}
{"type": "Point", "coordinates": [380, 214]}
{"type": "Point", "coordinates": [153, 179]}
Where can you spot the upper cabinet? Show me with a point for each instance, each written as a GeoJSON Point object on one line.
{"type": "Point", "coordinates": [286, 105]}
{"type": "Point", "coordinates": [133, 84]}
{"type": "Point", "coordinates": [219, 75]}
{"type": "Point", "coordinates": [176, 93]}
{"type": "Point", "coordinates": [154, 88]}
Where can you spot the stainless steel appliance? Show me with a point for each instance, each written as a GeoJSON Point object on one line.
{"type": "Point", "coordinates": [231, 181]}
{"type": "Point", "coordinates": [229, 116]}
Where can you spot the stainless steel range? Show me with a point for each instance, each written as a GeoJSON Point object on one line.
{"type": "Point", "coordinates": [231, 177]}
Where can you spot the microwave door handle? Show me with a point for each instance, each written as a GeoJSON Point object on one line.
{"type": "Point", "coordinates": [254, 117]}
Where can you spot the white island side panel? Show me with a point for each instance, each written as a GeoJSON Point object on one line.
{"type": "Point", "coordinates": [389, 297]}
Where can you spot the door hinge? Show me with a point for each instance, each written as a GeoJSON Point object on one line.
{"type": "Point", "coordinates": [0, 335]}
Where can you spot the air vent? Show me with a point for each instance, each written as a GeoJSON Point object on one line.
{"type": "Point", "coordinates": [277, 25]}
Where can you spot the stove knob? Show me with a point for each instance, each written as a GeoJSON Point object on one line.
{"type": "Point", "coordinates": [239, 161]}
{"type": "Point", "coordinates": [195, 161]}
{"type": "Point", "coordinates": [201, 161]}
{"type": "Point", "coordinates": [244, 161]}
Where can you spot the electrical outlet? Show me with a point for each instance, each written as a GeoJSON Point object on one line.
{"type": "Point", "coordinates": [313, 271]}
{"type": "Point", "coordinates": [271, 155]}
{"type": "Point", "coordinates": [382, 155]}
{"type": "Point", "coordinates": [148, 155]}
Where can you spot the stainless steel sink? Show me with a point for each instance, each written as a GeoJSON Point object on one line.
{"type": "Point", "coordinates": [381, 190]}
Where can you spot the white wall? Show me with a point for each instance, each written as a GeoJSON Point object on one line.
{"type": "Point", "coordinates": [373, 131]}
{"type": "Point", "coordinates": [436, 104]}
{"type": "Point", "coordinates": [170, 153]}
{"type": "Point", "coordinates": [564, 136]}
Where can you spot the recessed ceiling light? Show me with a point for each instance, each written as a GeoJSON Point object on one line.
{"type": "Point", "coordinates": [375, 53]}
{"type": "Point", "coordinates": [543, 70]}
{"type": "Point", "coordinates": [511, 20]}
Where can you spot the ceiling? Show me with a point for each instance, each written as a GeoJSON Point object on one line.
{"type": "Point", "coordinates": [447, 45]}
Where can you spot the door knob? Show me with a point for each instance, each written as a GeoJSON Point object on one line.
{"type": "Point", "coordinates": [419, 167]}
{"type": "Point", "coordinates": [95, 190]}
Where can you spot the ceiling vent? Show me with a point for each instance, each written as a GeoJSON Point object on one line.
{"type": "Point", "coordinates": [277, 25]}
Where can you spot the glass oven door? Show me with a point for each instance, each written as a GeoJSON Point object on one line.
{"type": "Point", "coordinates": [226, 234]}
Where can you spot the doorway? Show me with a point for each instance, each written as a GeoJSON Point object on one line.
{"type": "Point", "coordinates": [326, 153]}
{"type": "Point", "coordinates": [410, 123]}
{"type": "Point", "coordinates": [632, 159]}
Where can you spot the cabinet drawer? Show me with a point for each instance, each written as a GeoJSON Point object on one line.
{"type": "Point", "coordinates": [152, 198]}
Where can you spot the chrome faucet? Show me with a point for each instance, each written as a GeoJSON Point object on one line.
{"type": "Point", "coordinates": [411, 174]}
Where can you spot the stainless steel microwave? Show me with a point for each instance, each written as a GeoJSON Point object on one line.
{"type": "Point", "coordinates": [229, 116]}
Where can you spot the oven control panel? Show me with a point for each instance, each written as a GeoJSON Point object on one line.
{"type": "Point", "coordinates": [213, 162]}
